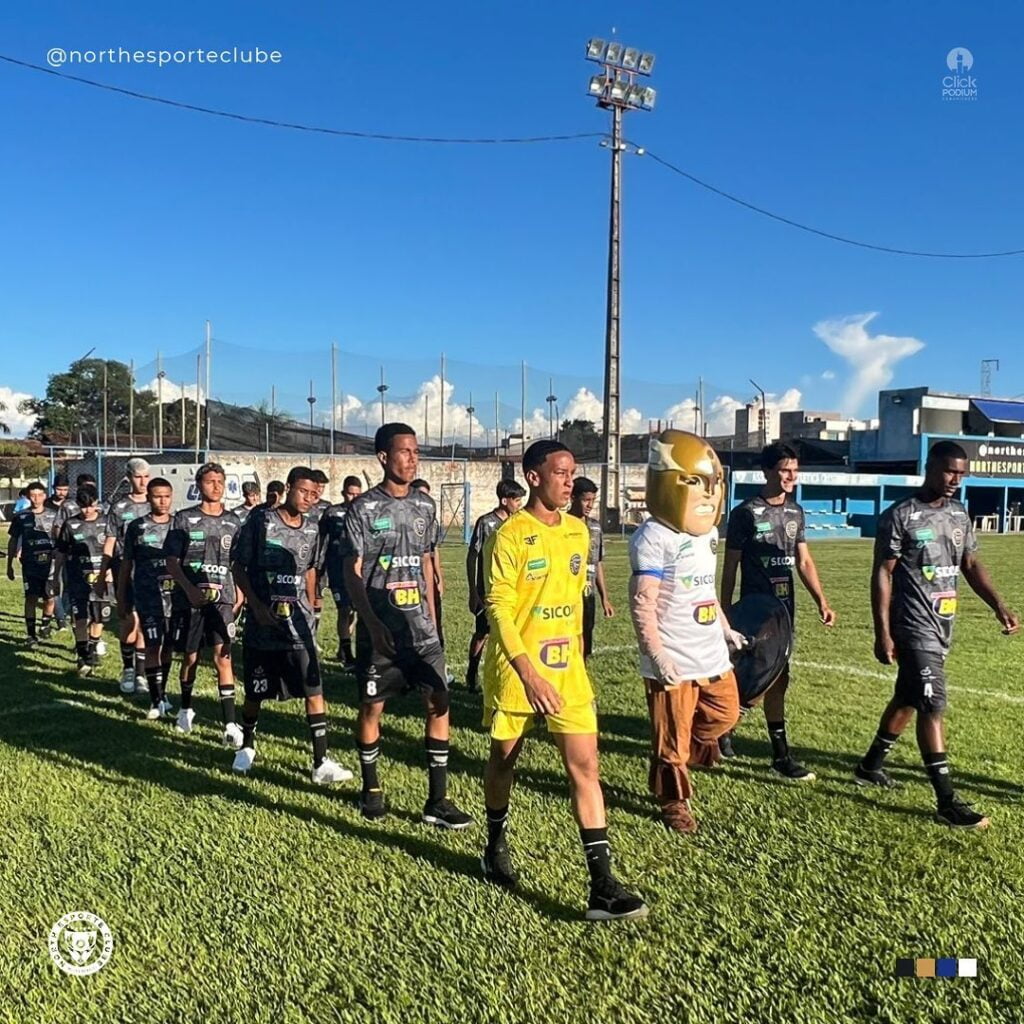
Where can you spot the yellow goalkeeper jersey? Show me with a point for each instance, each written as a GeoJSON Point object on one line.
{"type": "Point", "coordinates": [534, 577]}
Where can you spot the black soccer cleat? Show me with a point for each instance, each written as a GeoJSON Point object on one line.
{"type": "Point", "coordinates": [792, 771]}
{"type": "Point", "coordinates": [959, 814]}
{"type": "Point", "coordinates": [725, 747]}
{"type": "Point", "coordinates": [444, 814]}
{"type": "Point", "coordinates": [497, 865]}
{"type": "Point", "coordinates": [873, 777]}
{"type": "Point", "coordinates": [610, 900]}
{"type": "Point", "coordinates": [372, 805]}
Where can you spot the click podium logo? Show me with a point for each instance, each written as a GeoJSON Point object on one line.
{"type": "Point", "coordinates": [80, 943]}
{"type": "Point", "coordinates": [959, 85]}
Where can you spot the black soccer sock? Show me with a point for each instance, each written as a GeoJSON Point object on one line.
{"type": "Point", "coordinates": [938, 771]}
{"type": "Point", "coordinates": [127, 656]}
{"type": "Point", "coordinates": [368, 754]}
{"type": "Point", "coordinates": [780, 745]}
{"type": "Point", "coordinates": [186, 694]}
{"type": "Point", "coordinates": [227, 704]}
{"type": "Point", "coordinates": [82, 649]}
{"type": "Point", "coordinates": [30, 626]}
{"type": "Point", "coordinates": [317, 613]}
{"type": "Point", "coordinates": [249, 730]}
{"type": "Point", "coordinates": [47, 621]}
{"type": "Point", "coordinates": [140, 662]}
{"type": "Point", "coordinates": [497, 819]}
{"type": "Point", "coordinates": [437, 769]}
{"type": "Point", "coordinates": [91, 643]}
{"type": "Point", "coordinates": [474, 664]}
{"type": "Point", "coordinates": [155, 682]}
{"type": "Point", "coordinates": [879, 750]}
{"type": "Point", "coordinates": [598, 852]}
{"type": "Point", "coordinates": [318, 731]}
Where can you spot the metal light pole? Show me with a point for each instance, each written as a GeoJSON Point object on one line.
{"type": "Point", "coordinates": [764, 415]}
{"type": "Point", "coordinates": [551, 399]}
{"type": "Point", "coordinates": [312, 402]}
{"type": "Point", "coordinates": [469, 412]}
{"type": "Point", "coordinates": [615, 88]}
{"type": "Point", "coordinates": [382, 389]}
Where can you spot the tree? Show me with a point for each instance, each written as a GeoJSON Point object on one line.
{"type": "Point", "coordinates": [73, 401]}
{"type": "Point", "coordinates": [15, 464]}
{"type": "Point", "coordinates": [582, 438]}
{"type": "Point", "coordinates": [4, 429]}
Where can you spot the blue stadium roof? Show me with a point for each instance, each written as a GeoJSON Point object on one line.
{"type": "Point", "coordinates": [1000, 412]}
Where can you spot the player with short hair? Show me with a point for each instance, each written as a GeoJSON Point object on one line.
{"type": "Point", "coordinates": [510, 496]}
{"type": "Point", "coordinates": [316, 513]}
{"type": "Point", "coordinates": [199, 549]}
{"type": "Point", "coordinates": [332, 530]}
{"type": "Point", "coordinates": [56, 500]}
{"type": "Point", "coordinates": [390, 580]}
{"type": "Point", "coordinates": [584, 495]}
{"type": "Point", "coordinates": [119, 515]}
{"type": "Point", "coordinates": [250, 499]}
{"type": "Point", "coordinates": [31, 540]}
{"type": "Point", "coordinates": [69, 506]}
{"type": "Point", "coordinates": [80, 541]}
{"type": "Point", "coordinates": [766, 541]}
{"type": "Point", "coordinates": [924, 544]}
{"type": "Point", "coordinates": [145, 572]}
{"type": "Point", "coordinates": [534, 574]}
{"type": "Point", "coordinates": [274, 566]}
{"type": "Point", "coordinates": [274, 495]}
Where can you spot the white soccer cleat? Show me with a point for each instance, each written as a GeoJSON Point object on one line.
{"type": "Point", "coordinates": [329, 771]}
{"type": "Point", "coordinates": [185, 719]}
{"type": "Point", "coordinates": [141, 685]}
{"type": "Point", "coordinates": [153, 714]}
{"type": "Point", "coordinates": [233, 736]}
{"type": "Point", "coordinates": [243, 760]}
{"type": "Point", "coordinates": [128, 681]}
{"type": "Point", "coordinates": [101, 648]}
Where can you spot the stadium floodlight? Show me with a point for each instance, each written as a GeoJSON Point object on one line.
{"type": "Point", "coordinates": [635, 95]}
{"type": "Point", "coordinates": [614, 54]}
{"type": "Point", "coordinates": [650, 95]}
{"type": "Point", "coordinates": [646, 64]}
{"type": "Point", "coordinates": [630, 58]}
{"type": "Point", "coordinates": [595, 49]}
{"type": "Point", "coordinates": [619, 88]}
{"type": "Point", "coordinates": [597, 84]}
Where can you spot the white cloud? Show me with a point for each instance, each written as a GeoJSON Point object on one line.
{"type": "Point", "coordinates": [171, 392]}
{"type": "Point", "coordinates": [871, 357]}
{"type": "Point", "coordinates": [828, 375]}
{"type": "Point", "coordinates": [19, 423]}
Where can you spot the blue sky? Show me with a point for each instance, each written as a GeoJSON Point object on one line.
{"type": "Point", "coordinates": [127, 224]}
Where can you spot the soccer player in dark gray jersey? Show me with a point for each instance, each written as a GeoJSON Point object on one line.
{"type": "Point", "coordinates": [584, 497]}
{"type": "Point", "coordinates": [80, 543]}
{"type": "Point", "coordinates": [31, 540]}
{"type": "Point", "coordinates": [275, 568]}
{"type": "Point", "coordinates": [144, 569]}
{"type": "Point", "coordinates": [332, 534]}
{"type": "Point", "coordinates": [924, 544]}
{"type": "Point", "coordinates": [251, 496]}
{"type": "Point", "coordinates": [199, 548]}
{"type": "Point", "coordinates": [120, 513]}
{"type": "Point", "coordinates": [510, 496]}
{"type": "Point", "coordinates": [390, 579]}
{"type": "Point", "coordinates": [766, 542]}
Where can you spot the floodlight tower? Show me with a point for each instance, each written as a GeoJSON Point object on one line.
{"type": "Point", "coordinates": [616, 89]}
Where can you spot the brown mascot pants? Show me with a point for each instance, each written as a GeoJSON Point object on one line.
{"type": "Point", "coordinates": [686, 722]}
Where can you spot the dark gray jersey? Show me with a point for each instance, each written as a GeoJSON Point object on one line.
{"type": "Point", "coordinates": [153, 585]}
{"type": "Point", "coordinates": [204, 544]}
{"type": "Point", "coordinates": [392, 536]}
{"type": "Point", "coordinates": [241, 512]}
{"type": "Point", "coordinates": [929, 543]}
{"type": "Point", "coordinates": [121, 513]}
{"type": "Point", "coordinates": [34, 533]}
{"type": "Point", "coordinates": [332, 536]}
{"type": "Point", "coordinates": [484, 527]}
{"type": "Point", "coordinates": [276, 557]}
{"type": "Point", "coordinates": [767, 536]}
{"type": "Point", "coordinates": [81, 541]}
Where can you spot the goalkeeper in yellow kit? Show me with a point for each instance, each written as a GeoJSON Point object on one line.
{"type": "Point", "coordinates": [535, 569]}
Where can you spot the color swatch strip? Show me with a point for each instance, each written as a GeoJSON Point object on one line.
{"type": "Point", "coordinates": [937, 967]}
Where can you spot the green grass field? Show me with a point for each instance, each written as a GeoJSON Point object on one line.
{"type": "Point", "coordinates": [266, 898]}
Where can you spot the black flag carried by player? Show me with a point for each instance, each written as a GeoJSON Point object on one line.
{"type": "Point", "coordinates": [765, 622]}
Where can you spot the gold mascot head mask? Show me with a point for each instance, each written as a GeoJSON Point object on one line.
{"type": "Point", "coordinates": [685, 482]}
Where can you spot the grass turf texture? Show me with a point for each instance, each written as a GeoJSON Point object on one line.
{"type": "Point", "coordinates": [266, 898]}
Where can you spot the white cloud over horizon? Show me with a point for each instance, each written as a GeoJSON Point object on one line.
{"type": "Point", "coordinates": [19, 423]}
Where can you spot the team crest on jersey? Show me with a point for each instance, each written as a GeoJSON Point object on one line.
{"type": "Point", "coordinates": [303, 550]}
{"type": "Point", "coordinates": [958, 537]}
{"type": "Point", "coordinates": [714, 545]}
{"type": "Point", "coordinates": [419, 525]}
{"type": "Point", "coordinates": [791, 528]}
{"type": "Point", "coordinates": [225, 541]}
{"type": "Point", "coordinates": [575, 564]}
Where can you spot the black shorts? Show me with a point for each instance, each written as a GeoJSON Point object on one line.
{"type": "Point", "coordinates": [921, 680]}
{"type": "Point", "coordinates": [157, 627]}
{"type": "Point", "coordinates": [280, 674]}
{"type": "Point", "coordinates": [482, 627]}
{"type": "Point", "coordinates": [341, 599]}
{"type": "Point", "coordinates": [589, 618]}
{"type": "Point", "coordinates": [381, 677]}
{"type": "Point", "coordinates": [39, 585]}
{"type": "Point", "coordinates": [196, 628]}
{"type": "Point", "coordinates": [85, 608]}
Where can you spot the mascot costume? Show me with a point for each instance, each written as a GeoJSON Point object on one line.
{"type": "Point", "coordinates": [684, 636]}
